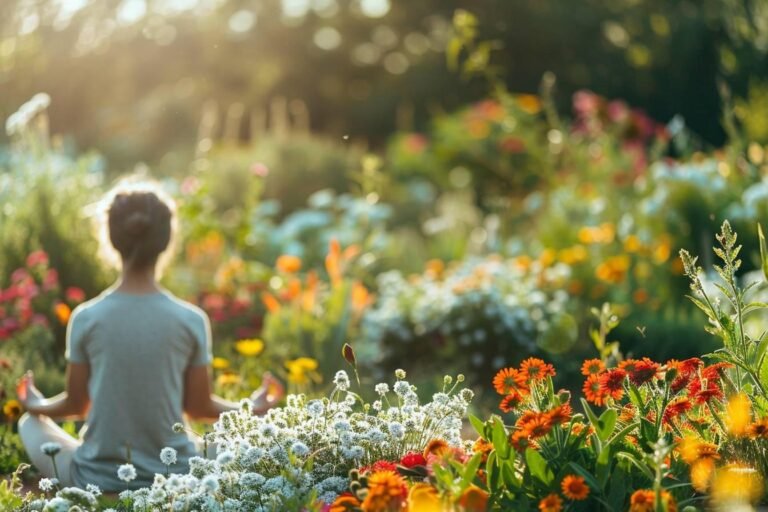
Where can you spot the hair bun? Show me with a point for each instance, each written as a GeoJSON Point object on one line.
{"type": "Point", "coordinates": [137, 223]}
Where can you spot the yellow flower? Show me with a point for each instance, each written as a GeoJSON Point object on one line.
{"type": "Point", "coordinates": [632, 244]}
{"type": "Point", "coordinates": [219, 363]}
{"type": "Point", "coordinates": [424, 498]}
{"type": "Point", "coordinates": [288, 264]}
{"type": "Point", "coordinates": [12, 409]}
{"type": "Point", "coordinates": [529, 103]}
{"type": "Point", "coordinates": [228, 379]}
{"type": "Point", "coordinates": [300, 369]}
{"type": "Point", "coordinates": [739, 415]}
{"type": "Point", "coordinates": [735, 484]}
{"type": "Point", "coordinates": [251, 347]}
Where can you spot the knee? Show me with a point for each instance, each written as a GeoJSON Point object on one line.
{"type": "Point", "coordinates": [27, 424]}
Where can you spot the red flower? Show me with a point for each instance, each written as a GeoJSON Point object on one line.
{"type": "Point", "coordinates": [36, 258]}
{"type": "Point", "coordinates": [705, 390]}
{"type": "Point", "coordinates": [643, 371]}
{"type": "Point", "coordinates": [612, 383]}
{"type": "Point", "coordinates": [560, 414]}
{"type": "Point", "coordinates": [412, 459]}
{"type": "Point", "coordinates": [714, 371]}
{"type": "Point", "coordinates": [379, 465]}
{"type": "Point", "coordinates": [676, 407]}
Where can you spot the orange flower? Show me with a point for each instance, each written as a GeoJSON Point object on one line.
{"type": "Point", "coordinates": [482, 446]}
{"type": "Point", "coordinates": [551, 503]}
{"type": "Point", "coordinates": [511, 401]}
{"type": "Point", "coordinates": [592, 390]}
{"type": "Point", "coordinates": [758, 429]}
{"type": "Point", "coordinates": [345, 502]}
{"type": "Point", "coordinates": [534, 424]}
{"type": "Point", "coordinates": [612, 383]}
{"type": "Point", "coordinates": [474, 499]}
{"type": "Point", "coordinates": [643, 371]}
{"type": "Point", "coordinates": [360, 297]}
{"type": "Point", "coordinates": [643, 500]}
{"type": "Point", "coordinates": [560, 414]}
{"type": "Point", "coordinates": [508, 380]}
{"type": "Point", "coordinates": [574, 488]}
{"type": "Point", "coordinates": [436, 447]}
{"type": "Point", "coordinates": [270, 302]}
{"type": "Point", "coordinates": [288, 264]}
{"type": "Point", "coordinates": [63, 312]}
{"type": "Point", "coordinates": [592, 367]}
{"type": "Point", "coordinates": [627, 413]}
{"type": "Point", "coordinates": [387, 492]}
{"type": "Point", "coordinates": [12, 409]}
{"type": "Point", "coordinates": [705, 390]}
{"type": "Point", "coordinates": [676, 407]}
{"type": "Point", "coordinates": [520, 441]}
{"type": "Point", "coordinates": [534, 369]}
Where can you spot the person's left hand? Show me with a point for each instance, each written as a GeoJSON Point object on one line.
{"type": "Point", "coordinates": [268, 395]}
{"type": "Point", "coordinates": [29, 396]}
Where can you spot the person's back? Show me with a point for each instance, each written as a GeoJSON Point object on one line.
{"type": "Point", "coordinates": [138, 347]}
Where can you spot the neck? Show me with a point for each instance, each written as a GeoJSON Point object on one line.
{"type": "Point", "coordinates": [138, 280]}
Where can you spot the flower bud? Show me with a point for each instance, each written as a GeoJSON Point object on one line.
{"type": "Point", "coordinates": [348, 354]}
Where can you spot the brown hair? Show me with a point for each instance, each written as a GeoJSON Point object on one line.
{"type": "Point", "coordinates": [138, 221]}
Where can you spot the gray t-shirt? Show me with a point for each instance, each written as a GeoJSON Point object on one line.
{"type": "Point", "coordinates": [138, 348]}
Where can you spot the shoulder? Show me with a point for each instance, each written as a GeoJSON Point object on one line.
{"type": "Point", "coordinates": [85, 311]}
{"type": "Point", "coordinates": [186, 310]}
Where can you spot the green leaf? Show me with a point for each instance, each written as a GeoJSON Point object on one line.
{"type": "Point", "coordinates": [763, 251]}
{"type": "Point", "coordinates": [470, 470]}
{"type": "Point", "coordinates": [499, 439]}
{"type": "Point", "coordinates": [538, 467]}
{"type": "Point", "coordinates": [605, 424]}
{"type": "Point", "coordinates": [588, 477]}
{"type": "Point", "coordinates": [478, 424]}
{"type": "Point", "coordinates": [492, 471]}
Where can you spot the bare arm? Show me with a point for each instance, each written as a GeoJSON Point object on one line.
{"type": "Point", "coordinates": [71, 404]}
{"type": "Point", "coordinates": [201, 404]}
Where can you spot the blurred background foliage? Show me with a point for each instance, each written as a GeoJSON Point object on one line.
{"type": "Point", "coordinates": [130, 77]}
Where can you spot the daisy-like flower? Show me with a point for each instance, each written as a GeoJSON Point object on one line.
{"type": "Point", "coordinates": [511, 401]}
{"type": "Point", "coordinates": [508, 380]}
{"type": "Point", "coordinates": [715, 371]}
{"type": "Point", "coordinates": [592, 390]}
{"type": "Point", "coordinates": [574, 488]}
{"type": "Point", "coordinates": [536, 425]}
{"type": "Point", "coordinates": [592, 367]}
{"type": "Point", "coordinates": [551, 503]}
{"type": "Point", "coordinates": [560, 414]}
{"type": "Point", "coordinates": [386, 491]}
{"type": "Point", "coordinates": [643, 371]}
{"type": "Point", "coordinates": [612, 383]}
{"type": "Point", "coordinates": [47, 484]}
{"type": "Point", "coordinates": [758, 429]}
{"type": "Point", "coordinates": [704, 390]}
{"type": "Point", "coordinates": [677, 407]}
{"type": "Point", "coordinates": [534, 369]}
{"type": "Point", "coordinates": [644, 500]}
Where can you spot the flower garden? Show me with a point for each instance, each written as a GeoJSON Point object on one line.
{"type": "Point", "coordinates": [521, 306]}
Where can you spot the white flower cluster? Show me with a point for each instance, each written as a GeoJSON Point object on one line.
{"type": "Point", "coordinates": [476, 304]}
{"type": "Point", "coordinates": [67, 499]}
{"type": "Point", "coordinates": [276, 461]}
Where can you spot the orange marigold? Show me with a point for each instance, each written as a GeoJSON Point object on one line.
{"type": "Point", "coordinates": [551, 503]}
{"type": "Point", "coordinates": [592, 367]}
{"type": "Point", "coordinates": [288, 264]}
{"type": "Point", "coordinates": [592, 391]}
{"type": "Point", "coordinates": [533, 369]}
{"type": "Point", "coordinates": [574, 488]}
{"type": "Point", "coordinates": [387, 492]}
{"type": "Point", "coordinates": [508, 380]}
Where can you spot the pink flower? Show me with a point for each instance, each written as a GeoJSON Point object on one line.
{"type": "Point", "coordinates": [20, 275]}
{"type": "Point", "coordinates": [38, 319]}
{"type": "Point", "coordinates": [51, 280]}
{"type": "Point", "coordinates": [259, 169]}
{"type": "Point", "coordinates": [190, 185]}
{"type": "Point", "coordinates": [586, 103]}
{"type": "Point", "coordinates": [74, 294]}
{"type": "Point", "coordinates": [36, 258]}
{"type": "Point", "coordinates": [415, 143]}
{"type": "Point", "coordinates": [618, 112]}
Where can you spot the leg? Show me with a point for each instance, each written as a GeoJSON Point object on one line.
{"type": "Point", "coordinates": [36, 430]}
